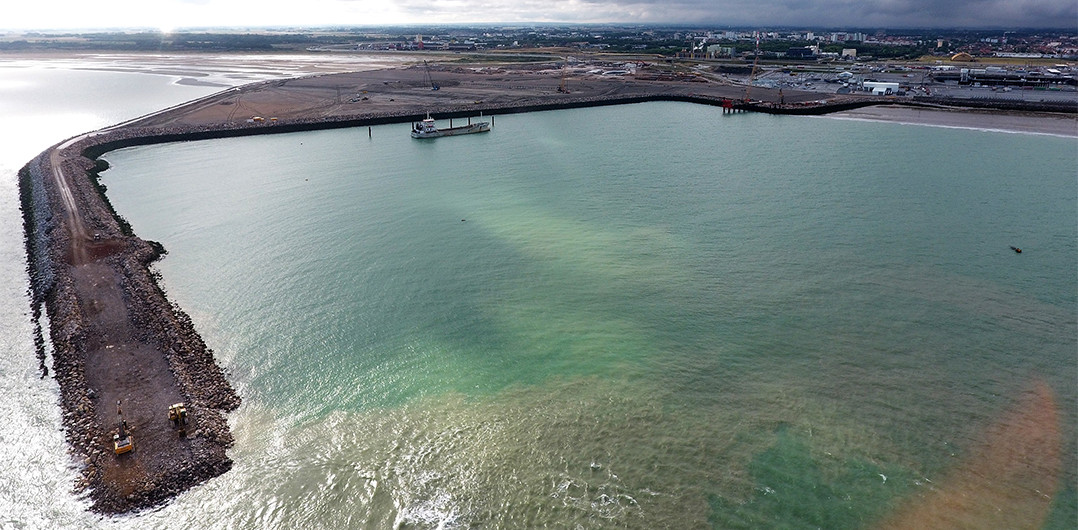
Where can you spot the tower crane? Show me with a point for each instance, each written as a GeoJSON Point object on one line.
{"type": "Point", "coordinates": [755, 62]}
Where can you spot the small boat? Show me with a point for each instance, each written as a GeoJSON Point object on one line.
{"type": "Point", "coordinates": [1016, 250]}
{"type": "Point", "coordinates": [427, 129]}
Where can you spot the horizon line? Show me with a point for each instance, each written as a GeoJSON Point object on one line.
{"type": "Point", "coordinates": [672, 25]}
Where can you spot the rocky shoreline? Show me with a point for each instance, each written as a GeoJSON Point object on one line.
{"type": "Point", "coordinates": [116, 337]}
{"type": "Point", "coordinates": [73, 331]}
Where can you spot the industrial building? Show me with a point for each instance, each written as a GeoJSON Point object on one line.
{"type": "Point", "coordinates": [880, 89]}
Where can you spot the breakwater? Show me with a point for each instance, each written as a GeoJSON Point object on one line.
{"type": "Point", "coordinates": [121, 352]}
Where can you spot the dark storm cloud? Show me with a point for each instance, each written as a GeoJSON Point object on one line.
{"type": "Point", "coordinates": [927, 13]}
{"type": "Point", "coordinates": [814, 13]}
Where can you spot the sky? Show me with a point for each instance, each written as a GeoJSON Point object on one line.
{"type": "Point", "coordinates": [178, 14]}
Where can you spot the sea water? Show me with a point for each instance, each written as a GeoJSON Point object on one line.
{"type": "Point", "coordinates": [43, 103]}
{"type": "Point", "coordinates": [644, 316]}
{"type": "Point", "coordinates": [45, 100]}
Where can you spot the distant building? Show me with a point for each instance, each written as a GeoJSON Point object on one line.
{"type": "Point", "coordinates": [1016, 55]}
{"type": "Point", "coordinates": [715, 50]}
{"type": "Point", "coordinates": [881, 89]}
{"type": "Point", "coordinates": [846, 37]}
{"type": "Point", "coordinates": [849, 53]}
{"type": "Point", "coordinates": [801, 52]}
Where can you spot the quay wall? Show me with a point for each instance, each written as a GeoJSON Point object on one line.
{"type": "Point", "coordinates": [135, 135]}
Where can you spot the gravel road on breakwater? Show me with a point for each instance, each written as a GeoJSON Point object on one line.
{"type": "Point", "coordinates": [118, 342]}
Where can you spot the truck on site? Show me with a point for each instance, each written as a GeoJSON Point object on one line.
{"type": "Point", "coordinates": [177, 414]}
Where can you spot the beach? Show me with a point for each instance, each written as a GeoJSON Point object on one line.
{"type": "Point", "coordinates": [1032, 123]}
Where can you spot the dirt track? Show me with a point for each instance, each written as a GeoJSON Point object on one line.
{"type": "Point", "coordinates": [406, 91]}
{"type": "Point", "coordinates": [118, 341]}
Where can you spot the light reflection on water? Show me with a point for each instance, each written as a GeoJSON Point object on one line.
{"type": "Point", "coordinates": [42, 106]}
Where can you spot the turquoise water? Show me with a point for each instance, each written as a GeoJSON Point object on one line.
{"type": "Point", "coordinates": [645, 316]}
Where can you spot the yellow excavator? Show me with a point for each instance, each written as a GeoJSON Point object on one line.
{"type": "Point", "coordinates": [563, 88]}
{"type": "Point", "coordinates": [177, 414]}
{"type": "Point", "coordinates": [122, 441]}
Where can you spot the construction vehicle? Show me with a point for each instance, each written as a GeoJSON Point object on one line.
{"type": "Point", "coordinates": [177, 414]}
{"type": "Point", "coordinates": [755, 69]}
{"type": "Point", "coordinates": [433, 85]}
{"type": "Point", "coordinates": [563, 88]}
{"type": "Point", "coordinates": [122, 441]}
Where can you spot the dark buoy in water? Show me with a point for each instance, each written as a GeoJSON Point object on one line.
{"type": "Point", "coordinates": [1016, 250]}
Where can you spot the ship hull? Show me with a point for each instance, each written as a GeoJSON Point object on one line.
{"type": "Point", "coordinates": [452, 131]}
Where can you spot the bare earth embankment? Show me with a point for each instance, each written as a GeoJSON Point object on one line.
{"type": "Point", "coordinates": [117, 338]}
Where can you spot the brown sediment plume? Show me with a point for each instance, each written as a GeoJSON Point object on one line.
{"type": "Point", "coordinates": [1009, 479]}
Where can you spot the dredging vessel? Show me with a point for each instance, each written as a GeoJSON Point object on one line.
{"type": "Point", "coordinates": [427, 129]}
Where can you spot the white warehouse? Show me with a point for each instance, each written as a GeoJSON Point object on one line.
{"type": "Point", "coordinates": [881, 89]}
